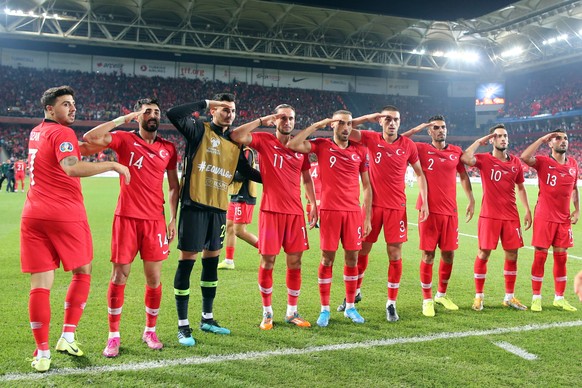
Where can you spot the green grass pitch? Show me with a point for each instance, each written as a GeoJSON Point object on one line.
{"type": "Point", "coordinates": [458, 348]}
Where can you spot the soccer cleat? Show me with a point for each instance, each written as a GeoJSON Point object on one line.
{"type": "Point", "coordinates": [185, 336]}
{"type": "Point", "coordinates": [564, 305]}
{"type": "Point", "coordinates": [446, 302]}
{"type": "Point", "coordinates": [211, 326]}
{"type": "Point", "coordinates": [151, 339]}
{"type": "Point", "coordinates": [536, 305]}
{"type": "Point", "coordinates": [428, 308]}
{"type": "Point", "coordinates": [478, 304]}
{"type": "Point", "coordinates": [514, 303]}
{"type": "Point", "coordinates": [342, 306]}
{"type": "Point", "coordinates": [296, 320]}
{"type": "Point", "coordinates": [41, 364]}
{"type": "Point", "coordinates": [224, 265]}
{"type": "Point", "coordinates": [391, 314]}
{"type": "Point", "coordinates": [71, 348]}
{"type": "Point", "coordinates": [267, 322]}
{"type": "Point", "coordinates": [112, 348]}
{"type": "Point", "coordinates": [354, 315]}
{"type": "Point", "coordinates": [323, 319]}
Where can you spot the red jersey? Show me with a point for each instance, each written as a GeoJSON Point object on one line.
{"type": "Point", "coordinates": [556, 182]}
{"type": "Point", "coordinates": [499, 178]}
{"type": "Point", "coordinates": [387, 168]}
{"type": "Point", "coordinates": [340, 173]}
{"type": "Point", "coordinates": [440, 168]}
{"type": "Point", "coordinates": [53, 195]}
{"type": "Point", "coordinates": [315, 177]}
{"type": "Point", "coordinates": [19, 167]}
{"type": "Point", "coordinates": [281, 172]}
{"type": "Point", "coordinates": [143, 198]}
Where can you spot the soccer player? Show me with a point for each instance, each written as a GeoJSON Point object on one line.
{"type": "Point", "coordinates": [314, 172]}
{"type": "Point", "coordinates": [19, 171]}
{"type": "Point", "coordinates": [211, 159]}
{"type": "Point", "coordinates": [243, 197]}
{"type": "Point", "coordinates": [139, 223]}
{"type": "Point", "coordinates": [281, 219]}
{"type": "Point", "coordinates": [440, 163]}
{"type": "Point", "coordinates": [54, 228]}
{"type": "Point", "coordinates": [557, 179]}
{"type": "Point", "coordinates": [341, 164]}
{"type": "Point", "coordinates": [391, 155]}
{"type": "Point", "coordinates": [499, 219]}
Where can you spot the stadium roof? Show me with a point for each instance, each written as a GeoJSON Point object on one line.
{"type": "Point", "coordinates": [525, 34]}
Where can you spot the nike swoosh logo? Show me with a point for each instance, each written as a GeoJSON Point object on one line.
{"type": "Point", "coordinates": [552, 167]}
{"type": "Point", "coordinates": [332, 150]}
{"type": "Point", "coordinates": [136, 144]}
{"type": "Point", "coordinates": [298, 79]}
{"type": "Point", "coordinates": [277, 148]}
{"type": "Point", "coordinates": [431, 153]}
{"type": "Point", "coordinates": [164, 252]}
{"type": "Point", "coordinates": [380, 146]}
{"type": "Point", "coordinates": [401, 236]}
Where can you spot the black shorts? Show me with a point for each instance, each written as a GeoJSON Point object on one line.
{"type": "Point", "coordinates": [200, 229]}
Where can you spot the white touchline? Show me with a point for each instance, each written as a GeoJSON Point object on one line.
{"type": "Point", "coordinates": [516, 350]}
{"type": "Point", "coordinates": [570, 256]}
{"type": "Point", "coordinates": [136, 366]}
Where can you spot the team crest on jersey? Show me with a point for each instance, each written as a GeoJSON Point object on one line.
{"type": "Point", "coordinates": [66, 147]}
{"type": "Point", "coordinates": [572, 171]}
{"type": "Point", "coordinates": [400, 152]}
{"type": "Point", "coordinates": [163, 154]}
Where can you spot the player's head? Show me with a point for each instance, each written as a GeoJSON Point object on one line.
{"type": "Point", "coordinates": [391, 122]}
{"type": "Point", "coordinates": [501, 140]}
{"type": "Point", "coordinates": [559, 143]}
{"type": "Point", "coordinates": [437, 129]}
{"type": "Point", "coordinates": [59, 104]}
{"type": "Point", "coordinates": [343, 126]}
{"type": "Point", "coordinates": [285, 124]}
{"type": "Point", "coordinates": [223, 116]}
{"type": "Point", "coordinates": [150, 120]}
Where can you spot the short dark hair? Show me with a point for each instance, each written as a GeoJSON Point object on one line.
{"type": "Point", "coordinates": [342, 112]}
{"type": "Point", "coordinates": [436, 118]}
{"type": "Point", "coordinates": [228, 97]}
{"type": "Point", "coordinates": [493, 128]}
{"type": "Point", "coordinates": [389, 108]}
{"type": "Point", "coordinates": [283, 106]}
{"type": "Point", "coordinates": [145, 101]}
{"type": "Point", "coordinates": [49, 97]}
{"type": "Point", "coordinates": [560, 130]}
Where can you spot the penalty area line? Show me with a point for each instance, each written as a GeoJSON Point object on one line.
{"type": "Point", "coordinates": [138, 366]}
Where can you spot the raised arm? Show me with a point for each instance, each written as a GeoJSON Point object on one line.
{"type": "Point", "coordinates": [468, 156]}
{"type": "Point", "coordinates": [422, 188]}
{"type": "Point", "coordinates": [522, 195]}
{"type": "Point", "coordinates": [356, 135]}
{"type": "Point", "coordinates": [300, 144]}
{"type": "Point", "coordinates": [242, 134]}
{"type": "Point", "coordinates": [100, 136]}
{"type": "Point", "coordinates": [528, 155]}
{"type": "Point", "coordinates": [415, 130]}
{"type": "Point", "coordinates": [466, 184]}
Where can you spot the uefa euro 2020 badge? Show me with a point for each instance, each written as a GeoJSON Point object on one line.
{"type": "Point", "coordinates": [66, 147]}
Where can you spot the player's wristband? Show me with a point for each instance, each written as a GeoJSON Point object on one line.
{"type": "Point", "coordinates": [119, 121]}
{"type": "Point", "coordinates": [260, 121]}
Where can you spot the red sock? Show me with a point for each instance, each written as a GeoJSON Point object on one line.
{"type": "Point", "coordinates": [480, 273]}
{"type": "Point", "coordinates": [362, 265]}
{"type": "Point", "coordinates": [510, 274]}
{"type": "Point", "coordinates": [394, 275]}
{"type": "Point", "coordinates": [229, 253]}
{"type": "Point", "coordinates": [324, 279]}
{"type": "Point", "coordinates": [153, 297]}
{"type": "Point", "coordinates": [115, 298]}
{"type": "Point", "coordinates": [560, 277]}
{"type": "Point", "coordinates": [426, 279]}
{"type": "Point", "coordinates": [39, 311]}
{"type": "Point", "coordinates": [266, 285]}
{"type": "Point", "coordinates": [76, 300]}
{"type": "Point", "coordinates": [445, 270]}
{"type": "Point", "coordinates": [537, 271]}
{"type": "Point", "coordinates": [351, 281]}
{"type": "Point", "coordinates": [293, 286]}
{"type": "Point", "coordinates": [308, 208]}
